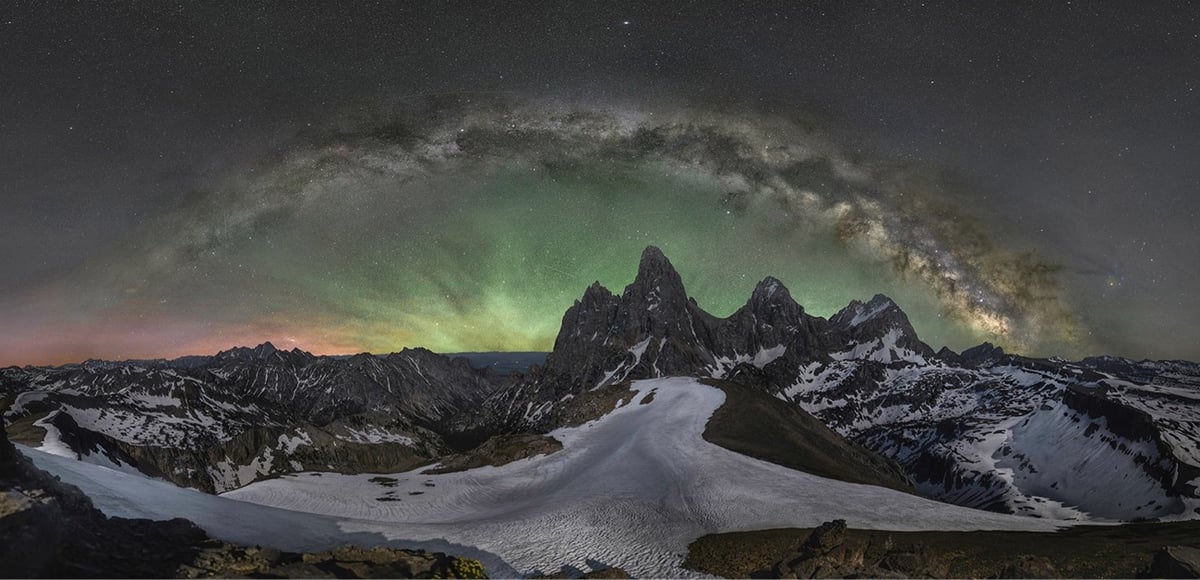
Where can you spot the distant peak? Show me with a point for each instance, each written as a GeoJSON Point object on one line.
{"type": "Point", "coordinates": [880, 309]}
{"type": "Point", "coordinates": [769, 286]}
{"type": "Point", "coordinates": [881, 300]}
{"type": "Point", "coordinates": [983, 351]}
{"type": "Point", "coordinates": [265, 348]}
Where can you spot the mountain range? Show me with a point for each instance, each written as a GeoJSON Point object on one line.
{"type": "Point", "coordinates": [856, 397]}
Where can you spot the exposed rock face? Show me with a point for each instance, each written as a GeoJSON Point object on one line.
{"type": "Point", "coordinates": [827, 554]}
{"type": "Point", "coordinates": [31, 528]}
{"type": "Point", "coordinates": [654, 329]}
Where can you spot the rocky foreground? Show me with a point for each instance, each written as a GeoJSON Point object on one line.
{"type": "Point", "coordinates": [52, 530]}
{"type": "Point", "coordinates": [1170, 550]}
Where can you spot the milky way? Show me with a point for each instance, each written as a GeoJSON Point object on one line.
{"type": "Point", "coordinates": [466, 223]}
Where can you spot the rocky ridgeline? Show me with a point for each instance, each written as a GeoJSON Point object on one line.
{"type": "Point", "coordinates": [50, 529]}
{"type": "Point", "coordinates": [831, 552]}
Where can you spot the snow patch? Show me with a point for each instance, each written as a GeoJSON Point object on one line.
{"type": "Point", "coordinates": [288, 445]}
{"type": "Point", "coordinates": [861, 314]}
{"type": "Point", "coordinates": [18, 405]}
{"type": "Point", "coordinates": [52, 443]}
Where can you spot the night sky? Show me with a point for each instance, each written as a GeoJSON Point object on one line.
{"type": "Point", "coordinates": [178, 178]}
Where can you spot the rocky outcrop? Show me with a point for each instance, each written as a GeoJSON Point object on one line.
{"type": "Point", "coordinates": [222, 560]}
{"type": "Point", "coordinates": [31, 529]}
{"type": "Point", "coordinates": [497, 451]}
{"type": "Point", "coordinates": [613, 573]}
{"type": "Point", "coordinates": [825, 554]}
{"type": "Point", "coordinates": [830, 552]}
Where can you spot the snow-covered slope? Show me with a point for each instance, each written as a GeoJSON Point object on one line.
{"type": "Point", "coordinates": [1042, 438]}
{"type": "Point", "coordinates": [128, 495]}
{"type": "Point", "coordinates": [630, 489]}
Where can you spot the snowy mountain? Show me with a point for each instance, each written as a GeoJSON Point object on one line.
{"type": "Point", "coordinates": [1105, 437]}
{"type": "Point", "coordinates": [220, 422]}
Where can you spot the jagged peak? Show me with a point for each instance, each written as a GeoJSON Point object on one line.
{"type": "Point", "coordinates": [596, 290]}
{"type": "Point", "coordinates": [656, 275]}
{"type": "Point", "coordinates": [857, 313]}
{"type": "Point", "coordinates": [770, 287]}
{"type": "Point", "coordinates": [881, 300]}
{"type": "Point", "coordinates": [654, 254]}
{"type": "Point", "coordinates": [983, 352]}
{"type": "Point", "coordinates": [261, 351]}
{"type": "Point", "coordinates": [410, 351]}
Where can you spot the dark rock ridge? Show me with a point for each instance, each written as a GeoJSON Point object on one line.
{"type": "Point", "coordinates": [754, 423]}
{"type": "Point", "coordinates": [51, 529]}
{"type": "Point", "coordinates": [497, 451]}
